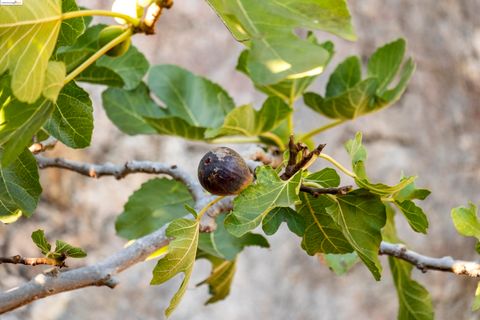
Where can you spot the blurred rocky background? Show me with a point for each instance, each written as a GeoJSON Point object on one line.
{"type": "Point", "coordinates": [433, 132]}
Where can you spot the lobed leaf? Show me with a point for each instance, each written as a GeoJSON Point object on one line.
{"type": "Point", "coordinates": [361, 216]}
{"type": "Point", "coordinates": [327, 178]}
{"type": "Point", "coordinates": [28, 35]}
{"type": "Point", "coordinates": [276, 53]}
{"type": "Point", "coordinates": [289, 89]}
{"type": "Point", "coordinates": [322, 234]}
{"type": "Point", "coordinates": [157, 202]}
{"type": "Point", "coordinates": [348, 96]}
{"type": "Point", "coordinates": [193, 104]}
{"type": "Point", "coordinates": [125, 71]}
{"type": "Point", "coordinates": [295, 222]}
{"type": "Point", "coordinates": [246, 121]}
{"type": "Point", "coordinates": [255, 202]}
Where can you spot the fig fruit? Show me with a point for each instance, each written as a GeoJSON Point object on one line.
{"type": "Point", "coordinates": [223, 171]}
{"type": "Point", "coordinates": [108, 34]}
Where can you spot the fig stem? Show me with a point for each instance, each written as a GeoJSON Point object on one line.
{"type": "Point", "coordinates": [208, 206]}
{"type": "Point", "coordinates": [106, 13]}
{"type": "Point", "coordinates": [321, 129]}
{"type": "Point", "coordinates": [337, 164]}
{"type": "Point", "coordinates": [94, 57]}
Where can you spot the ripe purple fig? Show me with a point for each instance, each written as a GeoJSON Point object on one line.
{"type": "Point", "coordinates": [222, 171]}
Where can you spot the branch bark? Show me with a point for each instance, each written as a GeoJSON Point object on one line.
{"type": "Point", "coordinates": [425, 263]}
{"type": "Point", "coordinates": [99, 274]}
{"type": "Point", "coordinates": [32, 261]}
{"type": "Point", "coordinates": [121, 171]}
{"type": "Point", "coordinates": [318, 191]}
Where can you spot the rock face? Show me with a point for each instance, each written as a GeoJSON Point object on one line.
{"type": "Point", "coordinates": [432, 132]}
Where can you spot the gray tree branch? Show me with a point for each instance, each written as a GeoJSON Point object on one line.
{"type": "Point", "coordinates": [425, 263]}
{"type": "Point", "coordinates": [120, 171]}
{"type": "Point", "coordinates": [99, 274]}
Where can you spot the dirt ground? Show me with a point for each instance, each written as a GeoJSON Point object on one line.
{"type": "Point", "coordinates": [433, 132]}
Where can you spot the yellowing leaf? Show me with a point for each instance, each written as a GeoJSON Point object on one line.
{"type": "Point", "coordinates": [180, 257]}
{"type": "Point", "coordinates": [28, 34]}
{"type": "Point", "coordinates": [56, 73]}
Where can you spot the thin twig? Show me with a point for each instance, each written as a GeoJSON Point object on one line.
{"type": "Point", "coordinates": [121, 171]}
{"type": "Point", "coordinates": [32, 261]}
{"type": "Point", "coordinates": [318, 191]}
{"type": "Point", "coordinates": [425, 263]}
{"type": "Point", "coordinates": [294, 165]}
{"type": "Point", "coordinates": [42, 146]}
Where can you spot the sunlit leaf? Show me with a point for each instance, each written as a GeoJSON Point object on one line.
{"type": "Point", "coordinates": [179, 259]}
{"type": "Point", "coordinates": [246, 121]}
{"type": "Point", "coordinates": [54, 80]}
{"type": "Point", "coordinates": [466, 221]}
{"type": "Point", "coordinates": [289, 89]}
{"type": "Point", "coordinates": [276, 53]}
{"type": "Point", "coordinates": [19, 121]}
{"type": "Point", "coordinates": [348, 96]}
{"type": "Point", "coordinates": [28, 34]}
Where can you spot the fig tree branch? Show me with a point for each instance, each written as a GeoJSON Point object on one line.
{"type": "Point", "coordinates": [425, 263]}
{"type": "Point", "coordinates": [32, 261]}
{"type": "Point", "coordinates": [100, 274]}
{"type": "Point", "coordinates": [42, 146]}
{"type": "Point", "coordinates": [318, 191]}
{"type": "Point", "coordinates": [103, 273]}
{"type": "Point", "coordinates": [121, 171]}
